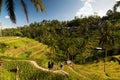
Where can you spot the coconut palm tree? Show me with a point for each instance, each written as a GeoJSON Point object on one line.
{"type": "Point", "coordinates": [106, 40]}
{"type": "Point", "coordinates": [116, 6]}
{"type": "Point", "coordinates": [10, 7]}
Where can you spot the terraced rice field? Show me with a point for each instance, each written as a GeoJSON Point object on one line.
{"type": "Point", "coordinates": [23, 47]}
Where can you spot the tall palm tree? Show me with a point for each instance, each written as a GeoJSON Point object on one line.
{"type": "Point", "coordinates": [106, 40]}
{"type": "Point", "coordinates": [10, 7]}
{"type": "Point", "coordinates": [116, 6]}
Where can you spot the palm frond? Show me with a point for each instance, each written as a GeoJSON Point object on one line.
{"type": "Point", "coordinates": [107, 40]}
{"type": "Point", "coordinates": [1, 5]}
{"type": "Point", "coordinates": [25, 9]}
{"type": "Point", "coordinates": [10, 10]}
{"type": "Point", "coordinates": [38, 5]}
{"type": "Point", "coordinates": [114, 8]}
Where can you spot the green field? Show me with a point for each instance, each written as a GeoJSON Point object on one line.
{"type": "Point", "coordinates": [16, 52]}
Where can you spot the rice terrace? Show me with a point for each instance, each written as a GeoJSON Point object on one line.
{"type": "Point", "coordinates": [59, 40]}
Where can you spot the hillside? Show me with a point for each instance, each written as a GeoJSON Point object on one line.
{"type": "Point", "coordinates": [21, 51]}
{"type": "Point", "coordinates": [26, 52]}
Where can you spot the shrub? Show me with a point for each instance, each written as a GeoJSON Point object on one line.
{"type": "Point", "coordinates": [3, 47]}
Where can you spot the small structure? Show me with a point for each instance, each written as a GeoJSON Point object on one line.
{"type": "Point", "coordinates": [98, 48]}
{"type": "Point", "coordinates": [69, 62]}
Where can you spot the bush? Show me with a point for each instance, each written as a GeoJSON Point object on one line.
{"type": "Point", "coordinates": [3, 47]}
{"type": "Point", "coordinates": [78, 59]}
{"type": "Point", "coordinates": [17, 33]}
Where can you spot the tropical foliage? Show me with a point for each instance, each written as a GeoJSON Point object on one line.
{"type": "Point", "coordinates": [10, 7]}
{"type": "Point", "coordinates": [74, 40]}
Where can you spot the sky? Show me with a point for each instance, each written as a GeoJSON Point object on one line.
{"type": "Point", "coordinates": [56, 9]}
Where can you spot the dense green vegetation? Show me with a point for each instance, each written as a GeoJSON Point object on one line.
{"type": "Point", "coordinates": [74, 40]}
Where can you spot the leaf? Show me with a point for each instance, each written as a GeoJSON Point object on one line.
{"type": "Point", "coordinates": [38, 5]}
{"type": "Point", "coordinates": [25, 9]}
{"type": "Point", "coordinates": [1, 5]}
{"type": "Point", "coordinates": [10, 10]}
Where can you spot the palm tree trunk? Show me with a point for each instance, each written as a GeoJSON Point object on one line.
{"type": "Point", "coordinates": [68, 56]}
{"type": "Point", "coordinates": [17, 76]}
{"type": "Point", "coordinates": [105, 60]}
{"type": "Point", "coordinates": [0, 30]}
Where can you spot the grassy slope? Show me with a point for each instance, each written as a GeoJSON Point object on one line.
{"type": "Point", "coordinates": [23, 47]}
{"type": "Point", "coordinates": [27, 48]}
{"type": "Point", "coordinates": [95, 71]}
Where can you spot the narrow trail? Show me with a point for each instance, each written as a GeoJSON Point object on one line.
{"type": "Point", "coordinates": [78, 73]}
{"type": "Point", "coordinates": [44, 69]}
{"type": "Point", "coordinates": [47, 70]}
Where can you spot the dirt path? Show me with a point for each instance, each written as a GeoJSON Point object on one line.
{"type": "Point", "coordinates": [54, 71]}
{"type": "Point", "coordinates": [44, 69]}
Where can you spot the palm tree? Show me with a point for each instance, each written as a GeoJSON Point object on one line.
{"type": "Point", "coordinates": [10, 7]}
{"type": "Point", "coordinates": [109, 12]}
{"type": "Point", "coordinates": [116, 6]}
{"type": "Point", "coordinates": [106, 40]}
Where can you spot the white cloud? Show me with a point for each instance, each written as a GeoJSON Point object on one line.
{"type": "Point", "coordinates": [88, 0]}
{"type": "Point", "coordinates": [117, 0]}
{"type": "Point", "coordinates": [86, 10]}
{"type": "Point", "coordinates": [101, 13]}
{"type": "Point", "coordinates": [7, 17]}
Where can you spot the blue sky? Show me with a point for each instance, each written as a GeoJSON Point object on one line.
{"type": "Point", "coordinates": [57, 9]}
